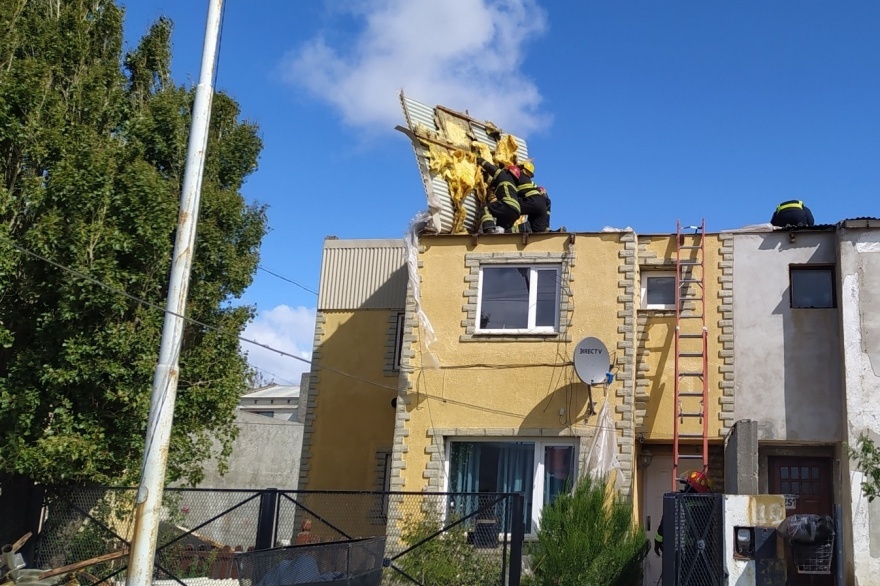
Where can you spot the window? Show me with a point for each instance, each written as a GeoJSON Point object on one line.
{"type": "Point", "coordinates": [518, 299]}
{"type": "Point", "coordinates": [540, 470]}
{"type": "Point", "coordinates": [812, 287]}
{"type": "Point", "coordinates": [398, 342]}
{"type": "Point", "coordinates": [264, 413]}
{"type": "Point", "coordinates": [658, 290]}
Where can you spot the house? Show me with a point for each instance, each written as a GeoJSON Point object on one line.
{"type": "Point", "coordinates": [273, 400]}
{"type": "Point", "coordinates": [804, 317]}
{"type": "Point", "coordinates": [445, 401]}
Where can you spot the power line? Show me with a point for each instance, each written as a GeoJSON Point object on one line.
{"type": "Point", "coordinates": [283, 278]}
{"type": "Point", "coordinates": [137, 299]}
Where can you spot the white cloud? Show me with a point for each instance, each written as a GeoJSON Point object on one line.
{"type": "Point", "coordinates": [463, 54]}
{"type": "Point", "coordinates": [288, 329]}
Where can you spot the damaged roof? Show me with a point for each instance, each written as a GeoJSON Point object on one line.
{"type": "Point", "coordinates": [432, 128]}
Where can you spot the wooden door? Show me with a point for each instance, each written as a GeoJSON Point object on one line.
{"type": "Point", "coordinates": [809, 479]}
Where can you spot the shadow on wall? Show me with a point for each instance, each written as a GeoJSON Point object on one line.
{"type": "Point", "coordinates": [811, 362]}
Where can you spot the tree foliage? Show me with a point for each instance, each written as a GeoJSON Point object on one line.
{"type": "Point", "coordinates": [867, 458]}
{"type": "Point", "coordinates": [92, 148]}
{"type": "Point", "coordinates": [588, 537]}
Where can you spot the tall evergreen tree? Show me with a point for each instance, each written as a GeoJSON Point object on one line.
{"type": "Point", "coordinates": [92, 151]}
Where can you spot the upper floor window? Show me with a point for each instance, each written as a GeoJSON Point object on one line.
{"type": "Point", "coordinates": [518, 299]}
{"type": "Point", "coordinates": [658, 289]}
{"type": "Point", "coordinates": [812, 286]}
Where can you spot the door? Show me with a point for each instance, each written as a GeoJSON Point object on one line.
{"type": "Point", "coordinates": [657, 483]}
{"type": "Point", "coordinates": [810, 480]}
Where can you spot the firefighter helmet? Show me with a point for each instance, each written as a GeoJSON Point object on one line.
{"type": "Point", "coordinates": [529, 168]}
{"type": "Point", "coordinates": [697, 480]}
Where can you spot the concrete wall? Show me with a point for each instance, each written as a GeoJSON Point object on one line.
{"type": "Point", "coordinates": [265, 454]}
{"type": "Point", "coordinates": [766, 511]}
{"type": "Point", "coordinates": [787, 367]}
{"type": "Point", "coordinates": [860, 313]}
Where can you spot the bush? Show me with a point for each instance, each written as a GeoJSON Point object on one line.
{"type": "Point", "coordinates": [447, 559]}
{"type": "Point", "coordinates": [588, 538]}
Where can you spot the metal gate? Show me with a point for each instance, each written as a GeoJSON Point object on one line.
{"type": "Point", "coordinates": [461, 539]}
{"type": "Point", "coordinates": [693, 540]}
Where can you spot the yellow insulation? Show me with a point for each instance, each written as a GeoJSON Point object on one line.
{"type": "Point", "coordinates": [459, 169]}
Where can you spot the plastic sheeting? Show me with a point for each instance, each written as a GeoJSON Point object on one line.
{"type": "Point", "coordinates": [602, 459]}
{"type": "Point", "coordinates": [411, 254]}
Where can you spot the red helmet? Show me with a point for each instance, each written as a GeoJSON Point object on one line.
{"type": "Point", "coordinates": [696, 480]}
{"type": "Point", "coordinates": [514, 170]}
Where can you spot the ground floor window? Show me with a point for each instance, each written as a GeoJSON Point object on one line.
{"type": "Point", "coordinates": [539, 470]}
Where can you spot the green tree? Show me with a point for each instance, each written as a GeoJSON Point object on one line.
{"type": "Point", "coordinates": [588, 537]}
{"type": "Point", "coordinates": [867, 458]}
{"type": "Point", "coordinates": [92, 151]}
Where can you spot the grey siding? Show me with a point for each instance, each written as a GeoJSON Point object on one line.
{"type": "Point", "coordinates": [362, 274]}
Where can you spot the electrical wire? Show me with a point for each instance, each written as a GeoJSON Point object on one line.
{"type": "Point", "coordinates": [146, 303]}
{"type": "Point", "coordinates": [283, 278]}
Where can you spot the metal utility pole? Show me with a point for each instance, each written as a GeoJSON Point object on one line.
{"type": "Point", "coordinates": [158, 438]}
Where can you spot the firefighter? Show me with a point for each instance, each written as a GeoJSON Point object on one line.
{"type": "Point", "coordinates": [693, 481]}
{"type": "Point", "coordinates": [792, 213]}
{"type": "Point", "coordinates": [504, 208]}
{"type": "Point", "coordinates": [533, 200]}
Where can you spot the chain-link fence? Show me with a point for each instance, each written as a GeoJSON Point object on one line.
{"type": "Point", "coordinates": [447, 539]}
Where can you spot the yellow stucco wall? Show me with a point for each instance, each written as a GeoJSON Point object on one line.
{"type": "Point", "coordinates": [353, 418]}
{"type": "Point", "coordinates": [492, 383]}
{"type": "Point", "coordinates": [657, 354]}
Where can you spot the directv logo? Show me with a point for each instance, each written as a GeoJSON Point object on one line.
{"type": "Point", "coordinates": [590, 351]}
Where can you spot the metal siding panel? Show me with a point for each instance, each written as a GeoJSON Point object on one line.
{"type": "Point", "coordinates": [419, 114]}
{"type": "Point", "coordinates": [362, 276]}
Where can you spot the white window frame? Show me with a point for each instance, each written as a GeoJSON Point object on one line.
{"type": "Point", "coordinates": [644, 278]}
{"type": "Point", "coordinates": [537, 468]}
{"type": "Point", "coordinates": [533, 300]}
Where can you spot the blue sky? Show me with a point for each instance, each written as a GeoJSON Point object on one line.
{"type": "Point", "coordinates": [637, 114]}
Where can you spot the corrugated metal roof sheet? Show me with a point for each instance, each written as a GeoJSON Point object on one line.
{"type": "Point", "coordinates": [362, 274]}
{"type": "Point", "coordinates": [420, 115]}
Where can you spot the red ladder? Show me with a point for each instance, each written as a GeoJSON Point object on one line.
{"type": "Point", "coordinates": [691, 346]}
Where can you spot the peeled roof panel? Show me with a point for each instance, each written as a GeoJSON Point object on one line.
{"type": "Point", "coordinates": [362, 274]}
{"type": "Point", "coordinates": [420, 115]}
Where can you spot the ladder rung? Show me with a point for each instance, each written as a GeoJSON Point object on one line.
{"type": "Point", "coordinates": [690, 263]}
{"type": "Point", "coordinates": [700, 374]}
{"type": "Point", "coordinates": [691, 316]}
{"type": "Point", "coordinates": [690, 335]}
{"type": "Point", "coordinates": [690, 354]}
{"type": "Point", "coordinates": [690, 247]}
{"type": "Point", "coordinates": [690, 298]}
{"type": "Point", "coordinates": [682, 414]}
{"type": "Point", "coordinates": [689, 394]}
{"type": "Point", "coordinates": [690, 456]}
{"type": "Point", "coordinates": [700, 281]}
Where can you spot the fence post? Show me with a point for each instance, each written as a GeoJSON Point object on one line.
{"type": "Point", "coordinates": [266, 520]}
{"type": "Point", "coordinates": [517, 536]}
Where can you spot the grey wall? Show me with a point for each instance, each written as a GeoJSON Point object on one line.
{"type": "Point", "coordinates": [787, 361]}
{"type": "Point", "coordinates": [265, 455]}
{"type": "Point", "coordinates": [860, 305]}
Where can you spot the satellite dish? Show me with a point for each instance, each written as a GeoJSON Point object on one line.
{"type": "Point", "coordinates": [591, 362]}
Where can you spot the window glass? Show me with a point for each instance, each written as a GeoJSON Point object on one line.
{"type": "Point", "coordinates": [398, 342]}
{"type": "Point", "coordinates": [558, 471]}
{"type": "Point", "coordinates": [491, 467]}
{"type": "Point", "coordinates": [521, 299]}
{"type": "Point", "coordinates": [812, 288]}
{"type": "Point", "coordinates": [661, 290]}
{"type": "Point", "coordinates": [546, 312]}
{"type": "Point", "coordinates": [658, 289]}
